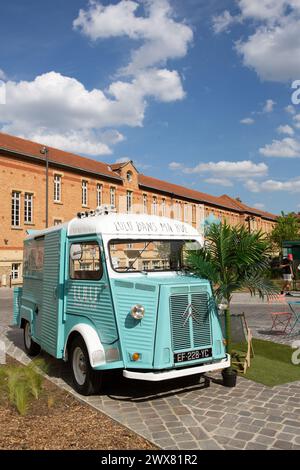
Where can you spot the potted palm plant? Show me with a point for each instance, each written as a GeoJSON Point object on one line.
{"type": "Point", "coordinates": [233, 259]}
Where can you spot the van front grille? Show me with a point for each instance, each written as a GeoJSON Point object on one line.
{"type": "Point", "coordinates": [190, 321]}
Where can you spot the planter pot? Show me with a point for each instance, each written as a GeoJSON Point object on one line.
{"type": "Point", "coordinates": [229, 377]}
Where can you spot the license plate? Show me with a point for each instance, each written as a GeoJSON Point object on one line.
{"type": "Point", "coordinates": [193, 355]}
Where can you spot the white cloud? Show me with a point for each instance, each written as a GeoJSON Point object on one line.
{"type": "Point", "coordinates": [297, 121]}
{"type": "Point", "coordinates": [259, 205]}
{"type": "Point", "coordinates": [248, 121]}
{"type": "Point", "coordinates": [290, 186]}
{"type": "Point", "coordinates": [64, 113]}
{"type": "Point", "coordinates": [290, 109]}
{"type": "Point", "coordinates": [273, 49]}
{"type": "Point", "coordinates": [123, 160]}
{"type": "Point", "coordinates": [285, 129]}
{"type": "Point", "coordinates": [221, 23]}
{"type": "Point", "coordinates": [225, 169]}
{"type": "Point", "coordinates": [83, 142]}
{"type": "Point", "coordinates": [262, 9]}
{"type": "Point", "coordinates": [285, 148]}
{"type": "Point", "coordinates": [2, 75]}
{"type": "Point", "coordinates": [59, 108]}
{"type": "Point", "coordinates": [269, 106]}
{"type": "Point", "coordinates": [219, 182]}
{"type": "Point", "coordinates": [162, 36]}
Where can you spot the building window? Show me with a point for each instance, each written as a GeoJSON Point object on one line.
{"type": "Point", "coordinates": [145, 204]}
{"type": "Point", "coordinates": [57, 188]}
{"type": "Point", "coordinates": [194, 214]}
{"type": "Point", "coordinates": [163, 205]}
{"type": "Point", "coordinates": [99, 194]}
{"type": "Point", "coordinates": [28, 208]}
{"type": "Point", "coordinates": [178, 210]}
{"type": "Point", "coordinates": [129, 201]}
{"type": "Point", "coordinates": [57, 221]}
{"type": "Point", "coordinates": [154, 205]}
{"type": "Point", "coordinates": [84, 192]}
{"type": "Point", "coordinates": [113, 197]}
{"type": "Point", "coordinates": [186, 212]}
{"type": "Point", "coordinates": [129, 176]}
{"type": "Point", "coordinates": [146, 265]}
{"type": "Point", "coordinates": [15, 271]}
{"type": "Point", "coordinates": [15, 209]}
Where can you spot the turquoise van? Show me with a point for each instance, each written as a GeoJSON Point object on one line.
{"type": "Point", "coordinates": [110, 291]}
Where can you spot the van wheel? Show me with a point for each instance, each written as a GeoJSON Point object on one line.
{"type": "Point", "coordinates": [86, 380]}
{"type": "Point", "coordinates": [31, 348]}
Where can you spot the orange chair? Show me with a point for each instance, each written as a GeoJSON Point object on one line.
{"type": "Point", "coordinates": [282, 315]}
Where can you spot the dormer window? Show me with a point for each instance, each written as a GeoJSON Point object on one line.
{"type": "Point", "coordinates": [129, 176]}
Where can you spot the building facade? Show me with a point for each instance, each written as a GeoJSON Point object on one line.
{"type": "Point", "coordinates": [77, 184]}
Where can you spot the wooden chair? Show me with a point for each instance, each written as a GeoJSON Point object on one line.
{"type": "Point", "coordinates": [240, 333]}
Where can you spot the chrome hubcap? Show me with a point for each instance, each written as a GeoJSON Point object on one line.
{"type": "Point", "coordinates": [79, 365]}
{"type": "Point", "coordinates": [27, 335]}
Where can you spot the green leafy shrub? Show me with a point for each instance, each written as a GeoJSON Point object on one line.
{"type": "Point", "coordinates": [19, 383]}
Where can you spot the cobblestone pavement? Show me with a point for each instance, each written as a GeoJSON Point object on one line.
{"type": "Point", "coordinates": [194, 413]}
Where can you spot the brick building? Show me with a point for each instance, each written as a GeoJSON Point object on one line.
{"type": "Point", "coordinates": [79, 184]}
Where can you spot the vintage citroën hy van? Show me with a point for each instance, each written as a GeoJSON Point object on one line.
{"type": "Point", "coordinates": [109, 291]}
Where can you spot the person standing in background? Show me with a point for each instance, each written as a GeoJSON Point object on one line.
{"type": "Point", "coordinates": [287, 274]}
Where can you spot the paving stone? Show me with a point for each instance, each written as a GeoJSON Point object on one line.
{"type": "Point", "coordinates": [247, 428]}
{"type": "Point", "coordinates": [275, 419]}
{"type": "Point", "coordinates": [210, 444]}
{"type": "Point", "coordinates": [188, 445]}
{"type": "Point", "coordinates": [289, 422]}
{"type": "Point", "coordinates": [214, 414]}
{"type": "Point", "coordinates": [258, 422]}
{"type": "Point", "coordinates": [283, 445]}
{"type": "Point", "coordinates": [178, 430]}
{"type": "Point", "coordinates": [198, 433]}
{"type": "Point", "coordinates": [283, 436]}
{"type": "Point", "coordinates": [264, 440]}
{"type": "Point", "coordinates": [291, 430]}
{"type": "Point", "coordinates": [267, 432]}
{"type": "Point", "coordinates": [188, 420]}
{"type": "Point", "coordinates": [170, 418]}
{"type": "Point", "coordinates": [255, 446]}
{"type": "Point", "coordinates": [245, 436]}
{"type": "Point", "coordinates": [237, 443]}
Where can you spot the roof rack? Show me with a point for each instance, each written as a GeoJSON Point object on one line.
{"type": "Point", "coordinates": [104, 209]}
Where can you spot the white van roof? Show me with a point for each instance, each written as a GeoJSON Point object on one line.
{"type": "Point", "coordinates": [117, 225]}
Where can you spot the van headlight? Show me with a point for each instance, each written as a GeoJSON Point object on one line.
{"type": "Point", "coordinates": [137, 312]}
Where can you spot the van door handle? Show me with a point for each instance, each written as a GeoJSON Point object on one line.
{"type": "Point", "coordinates": [55, 291]}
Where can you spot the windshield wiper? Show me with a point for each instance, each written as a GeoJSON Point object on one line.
{"type": "Point", "coordinates": [138, 256]}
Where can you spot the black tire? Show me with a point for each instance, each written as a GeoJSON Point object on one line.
{"type": "Point", "coordinates": [89, 381]}
{"type": "Point", "coordinates": [31, 348]}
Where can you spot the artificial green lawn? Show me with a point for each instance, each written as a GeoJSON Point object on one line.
{"type": "Point", "coordinates": [271, 364]}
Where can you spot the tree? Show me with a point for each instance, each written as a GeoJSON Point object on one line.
{"type": "Point", "coordinates": [233, 259]}
{"type": "Point", "coordinates": [287, 228]}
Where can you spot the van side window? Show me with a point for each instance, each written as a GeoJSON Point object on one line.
{"type": "Point", "coordinates": [34, 258]}
{"type": "Point", "coordinates": [85, 261]}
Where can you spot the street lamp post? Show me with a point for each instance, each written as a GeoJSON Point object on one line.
{"type": "Point", "coordinates": [45, 151]}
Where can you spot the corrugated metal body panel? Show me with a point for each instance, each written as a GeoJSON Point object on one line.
{"type": "Point", "coordinates": [92, 299]}
{"type": "Point", "coordinates": [136, 336]}
{"type": "Point", "coordinates": [52, 293]}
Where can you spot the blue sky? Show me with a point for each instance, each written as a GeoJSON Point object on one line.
{"type": "Point", "coordinates": [195, 92]}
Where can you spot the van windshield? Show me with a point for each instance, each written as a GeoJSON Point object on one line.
{"type": "Point", "coordinates": [150, 255]}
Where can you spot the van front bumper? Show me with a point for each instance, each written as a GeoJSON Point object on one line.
{"type": "Point", "coordinates": [175, 373]}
